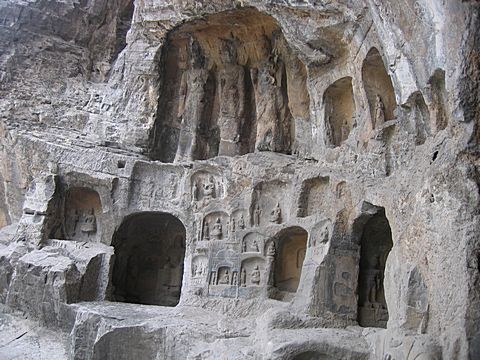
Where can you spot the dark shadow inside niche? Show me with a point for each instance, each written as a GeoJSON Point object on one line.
{"type": "Point", "coordinates": [378, 88]}
{"type": "Point", "coordinates": [313, 355]}
{"type": "Point", "coordinates": [339, 111]}
{"type": "Point", "coordinates": [375, 245]}
{"type": "Point", "coordinates": [438, 97]}
{"type": "Point", "coordinates": [149, 254]}
{"type": "Point", "coordinates": [230, 85]}
{"type": "Point", "coordinates": [419, 117]}
{"type": "Point", "coordinates": [82, 215]}
{"type": "Point", "coordinates": [291, 245]}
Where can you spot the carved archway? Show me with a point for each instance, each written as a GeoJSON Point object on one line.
{"type": "Point", "coordinates": [149, 254]}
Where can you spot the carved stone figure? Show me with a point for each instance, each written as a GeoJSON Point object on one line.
{"type": "Point", "coordinates": [72, 222]}
{"type": "Point", "coordinates": [217, 229]}
{"type": "Point", "coordinates": [232, 103]}
{"type": "Point", "coordinates": [255, 276]}
{"type": "Point", "coordinates": [89, 225]}
{"type": "Point", "coordinates": [271, 251]}
{"type": "Point", "coordinates": [328, 131]}
{"type": "Point", "coordinates": [233, 226]}
{"type": "Point", "coordinates": [255, 246]}
{"type": "Point", "coordinates": [243, 279]}
{"type": "Point", "coordinates": [276, 214]}
{"type": "Point", "coordinates": [209, 188]}
{"type": "Point", "coordinates": [195, 191]}
{"type": "Point", "coordinates": [379, 116]}
{"type": "Point", "coordinates": [192, 102]}
{"type": "Point", "coordinates": [241, 222]}
{"type": "Point", "coordinates": [273, 115]}
{"type": "Point", "coordinates": [225, 280]}
{"type": "Point", "coordinates": [257, 213]}
{"type": "Point", "coordinates": [206, 231]}
{"type": "Point", "coordinates": [244, 246]}
{"type": "Point", "coordinates": [235, 279]}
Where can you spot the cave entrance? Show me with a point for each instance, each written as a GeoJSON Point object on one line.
{"type": "Point", "coordinates": [375, 245]}
{"type": "Point", "coordinates": [149, 254]}
{"type": "Point", "coordinates": [230, 85]}
{"type": "Point", "coordinates": [291, 244]}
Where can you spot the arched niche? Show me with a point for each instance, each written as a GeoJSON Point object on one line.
{"type": "Point", "coordinates": [378, 88]}
{"type": "Point", "coordinates": [339, 111]}
{"type": "Point", "coordinates": [149, 254]}
{"type": "Point", "coordinates": [291, 246]}
{"type": "Point", "coordinates": [419, 117]}
{"type": "Point", "coordinates": [82, 215]}
{"type": "Point", "coordinates": [375, 245]}
{"type": "Point", "coordinates": [230, 85]}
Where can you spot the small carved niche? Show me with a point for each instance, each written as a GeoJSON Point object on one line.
{"type": "Point", "coordinates": [82, 215]}
{"type": "Point", "coordinates": [253, 243]}
{"type": "Point", "coordinates": [339, 111]}
{"type": "Point", "coordinates": [238, 221]}
{"type": "Point", "coordinates": [224, 276]}
{"type": "Point", "coordinates": [292, 245]}
{"type": "Point", "coordinates": [269, 203]}
{"type": "Point", "coordinates": [378, 88]}
{"type": "Point", "coordinates": [253, 272]}
{"type": "Point", "coordinates": [199, 268]}
{"type": "Point", "coordinates": [205, 187]}
{"type": "Point", "coordinates": [375, 245]}
{"type": "Point", "coordinates": [314, 195]}
{"type": "Point", "coordinates": [419, 117]}
{"type": "Point", "coordinates": [216, 226]}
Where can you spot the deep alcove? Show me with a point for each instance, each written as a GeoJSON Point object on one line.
{"type": "Point", "coordinates": [149, 253]}
{"type": "Point", "coordinates": [375, 244]}
{"type": "Point", "coordinates": [230, 85]}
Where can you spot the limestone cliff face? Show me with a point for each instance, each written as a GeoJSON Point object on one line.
{"type": "Point", "coordinates": [276, 179]}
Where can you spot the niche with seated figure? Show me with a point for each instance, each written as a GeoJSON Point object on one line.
{"type": "Point", "coordinates": [339, 111]}
{"type": "Point", "coordinates": [291, 246]}
{"type": "Point", "coordinates": [82, 215]}
{"type": "Point", "coordinates": [375, 245]}
{"type": "Point", "coordinates": [378, 88]}
{"type": "Point", "coordinates": [149, 254]}
{"type": "Point", "coordinates": [230, 85]}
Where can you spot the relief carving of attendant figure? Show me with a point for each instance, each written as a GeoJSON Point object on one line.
{"type": "Point", "coordinates": [243, 278]}
{"type": "Point", "coordinates": [273, 115]}
{"type": "Point", "coordinates": [192, 102]}
{"type": "Point", "coordinates": [257, 213]}
{"type": "Point", "coordinates": [232, 100]}
{"type": "Point", "coordinates": [276, 214]}
{"type": "Point", "coordinates": [379, 115]}
{"type": "Point", "coordinates": [271, 251]}
{"type": "Point", "coordinates": [241, 222]}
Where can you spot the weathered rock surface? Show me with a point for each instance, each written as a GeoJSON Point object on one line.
{"type": "Point", "coordinates": [240, 179]}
